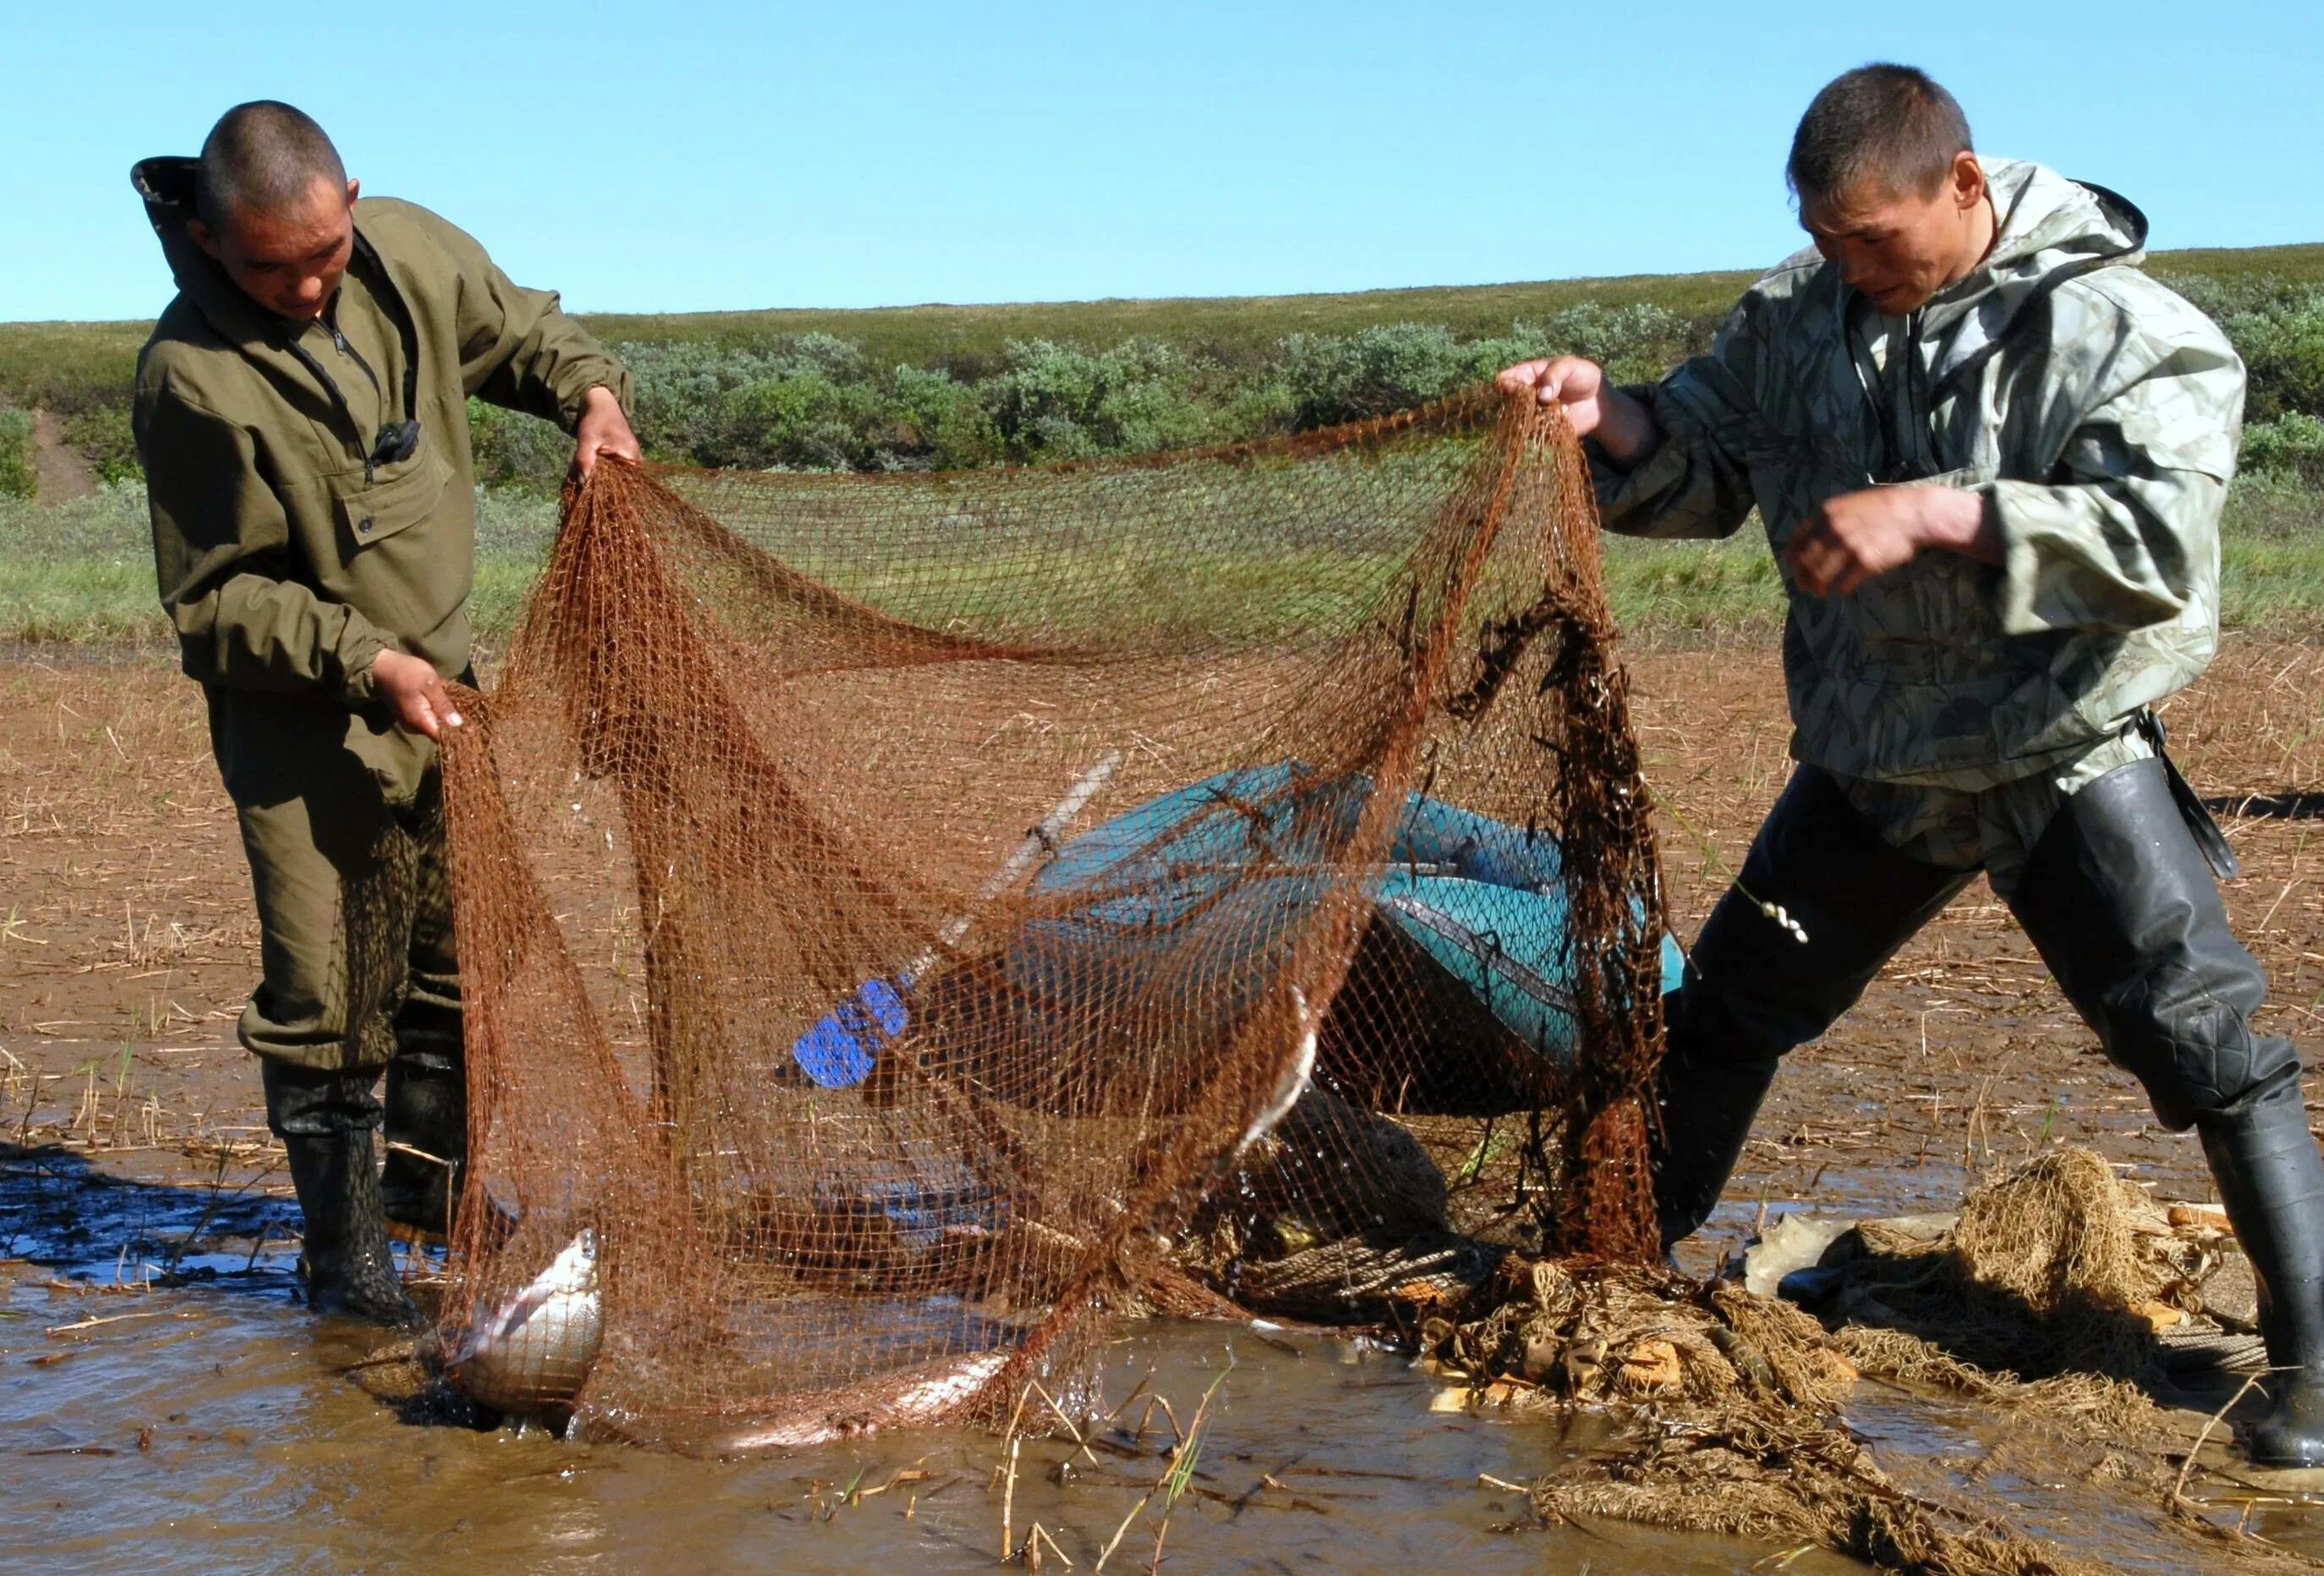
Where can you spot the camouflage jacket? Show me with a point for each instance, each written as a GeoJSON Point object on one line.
{"type": "Point", "coordinates": [2097, 411]}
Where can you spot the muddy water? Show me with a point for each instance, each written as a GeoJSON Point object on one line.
{"type": "Point", "coordinates": [165, 1405]}
{"type": "Point", "coordinates": [209, 1424]}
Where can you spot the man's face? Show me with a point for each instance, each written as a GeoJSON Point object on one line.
{"type": "Point", "coordinates": [289, 262]}
{"type": "Point", "coordinates": [1899, 249]}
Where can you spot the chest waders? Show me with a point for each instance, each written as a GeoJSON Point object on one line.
{"type": "Point", "coordinates": [2119, 894]}
{"type": "Point", "coordinates": [2119, 897]}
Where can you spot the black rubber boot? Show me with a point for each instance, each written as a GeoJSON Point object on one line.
{"type": "Point", "coordinates": [427, 1142]}
{"type": "Point", "coordinates": [2121, 901]}
{"type": "Point", "coordinates": [1754, 988]}
{"type": "Point", "coordinates": [2272, 1182]}
{"type": "Point", "coordinates": [326, 1121]}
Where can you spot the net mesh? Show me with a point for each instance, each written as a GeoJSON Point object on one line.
{"type": "Point", "coordinates": [890, 906]}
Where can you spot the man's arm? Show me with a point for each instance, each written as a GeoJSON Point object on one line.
{"type": "Point", "coordinates": [604, 429]}
{"type": "Point", "coordinates": [1622, 423]}
{"type": "Point", "coordinates": [518, 348]}
{"type": "Point", "coordinates": [221, 547]}
{"type": "Point", "coordinates": [1847, 540]}
{"type": "Point", "coordinates": [1667, 459]}
{"type": "Point", "coordinates": [2123, 534]}
{"type": "Point", "coordinates": [2126, 533]}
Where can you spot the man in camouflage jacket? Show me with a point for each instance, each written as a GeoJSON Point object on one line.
{"type": "Point", "coordinates": [1990, 455]}
{"type": "Point", "coordinates": [302, 415]}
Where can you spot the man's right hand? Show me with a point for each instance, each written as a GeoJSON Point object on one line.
{"type": "Point", "coordinates": [1624, 427]}
{"type": "Point", "coordinates": [414, 692]}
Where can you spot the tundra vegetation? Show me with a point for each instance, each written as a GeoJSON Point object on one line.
{"type": "Point", "coordinates": [940, 387]}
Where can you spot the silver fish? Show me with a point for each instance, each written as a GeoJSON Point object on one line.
{"type": "Point", "coordinates": [1294, 1081]}
{"type": "Point", "coordinates": [533, 1352]}
{"type": "Point", "coordinates": [930, 1393]}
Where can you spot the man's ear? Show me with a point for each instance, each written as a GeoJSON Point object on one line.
{"type": "Point", "coordinates": [354, 190]}
{"type": "Point", "coordinates": [1968, 181]}
{"type": "Point", "coordinates": [201, 236]}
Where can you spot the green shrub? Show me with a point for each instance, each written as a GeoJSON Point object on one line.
{"type": "Point", "coordinates": [804, 402]}
{"type": "Point", "coordinates": [1343, 378]}
{"type": "Point", "coordinates": [519, 452]}
{"type": "Point", "coordinates": [18, 479]}
{"type": "Point", "coordinates": [2290, 447]}
{"type": "Point", "coordinates": [1050, 401]}
{"type": "Point", "coordinates": [1347, 378]}
{"type": "Point", "coordinates": [102, 435]}
{"type": "Point", "coordinates": [2284, 352]}
{"type": "Point", "coordinates": [2277, 325]}
{"type": "Point", "coordinates": [1635, 343]}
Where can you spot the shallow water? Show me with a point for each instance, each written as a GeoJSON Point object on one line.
{"type": "Point", "coordinates": [210, 1423]}
{"type": "Point", "coordinates": [216, 1430]}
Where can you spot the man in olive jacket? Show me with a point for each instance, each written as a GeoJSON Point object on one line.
{"type": "Point", "coordinates": [1990, 455]}
{"type": "Point", "coordinates": [301, 416]}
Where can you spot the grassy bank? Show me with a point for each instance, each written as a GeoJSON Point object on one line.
{"type": "Point", "coordinates": [949, 386]}
{"type": "Point", "coordinates": [946, 386]}
{"type": "Point", "coordinates": [82, 573]}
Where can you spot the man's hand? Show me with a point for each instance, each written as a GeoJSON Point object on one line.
{"type": "Point", "coordinates": [1849, 539]}
{"type": "Point", "coordinates": [603, 430]}
{"type": "Point", "coordinates": [413, 691]}
{"type": "Point", "coordinates": [1624, 427]}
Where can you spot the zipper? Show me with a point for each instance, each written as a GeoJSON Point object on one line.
{"type": "Point", "coordinates": [1858, 360]}
{"type": "Point", "coordinates": [338, 397]}
{"type": "Point", "coordinates": [344, 348]}
{"type": "Point", "coordinates": [349, 351]}
{"type": "Point", "coordinates": [340, 343]}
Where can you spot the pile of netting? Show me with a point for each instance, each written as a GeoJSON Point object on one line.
{"type": "Point", "coordinates": [905, 918]}
{"type": "Point", "coordinates": [2010, 1362]}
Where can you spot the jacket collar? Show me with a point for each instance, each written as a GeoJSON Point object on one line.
{"type": "Point", "coordinates": [2048, 230]}
{"type": "Point", "coordinates": [167, 186]}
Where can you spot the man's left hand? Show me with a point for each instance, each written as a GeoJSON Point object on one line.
{"type": "Point", "coordinates": [1849, 539]}
{"type": "Point", "coordinates": [603, 430]}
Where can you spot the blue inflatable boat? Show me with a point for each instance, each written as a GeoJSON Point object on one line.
{"type": "Point", "coordinates": [1459, 999]}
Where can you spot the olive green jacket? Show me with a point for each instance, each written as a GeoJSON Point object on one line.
{"type": "Point", "coordinates": [287, 556]}
{"type": "Point", "coordinates": [2096, 411]}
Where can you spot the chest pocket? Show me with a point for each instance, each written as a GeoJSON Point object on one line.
{"type": "Point", "coordinates": [392, 503]}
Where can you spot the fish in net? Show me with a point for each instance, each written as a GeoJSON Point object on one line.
{"type": "Point", "coordinates": [890, 906]}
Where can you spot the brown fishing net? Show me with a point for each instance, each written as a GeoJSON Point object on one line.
{"type": "Point", "coordinates": [890, 906]}
{"type": "Point", "coordinates": [905, 918]}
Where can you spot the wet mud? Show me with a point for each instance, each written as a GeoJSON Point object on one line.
{"type": "Point", "coordinates": [167, 1405]}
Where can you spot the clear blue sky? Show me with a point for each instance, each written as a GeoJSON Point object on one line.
{"type": "Point", "coordinates": [720, 156]}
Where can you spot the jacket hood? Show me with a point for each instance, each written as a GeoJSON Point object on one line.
{"type": "Point", "coordinates": [2051, 230]}
{"type": "Point", "coordinates": [166, 185]}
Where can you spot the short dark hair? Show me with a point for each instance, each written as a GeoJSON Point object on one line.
{"type": "Point", "coordinates": [263, 156]}
{"type": "Point", "coordinates": [1893, 125]}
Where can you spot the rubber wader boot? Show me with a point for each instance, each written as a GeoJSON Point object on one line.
{"type": "Point", "coordinates": [428, 1139]}
{"type": "Point", "coordinates": [1755, 985]}
{"type": "Point", "coordinates": [2272, 1182]}
{"type": "Point", "coordinates": [2121, 902]}
{"type": "Point", "coordinates": [325, 1121]}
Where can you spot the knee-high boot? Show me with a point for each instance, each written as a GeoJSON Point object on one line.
{"type": "Point", "coordinates": [325, 1121]}
{"type": "Point", "coordinates": [427, 1122]}
{"type": "Point", "coordinates": [2119, 899]}
{"type": "Point", "coordinates": [2272, 1181]}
